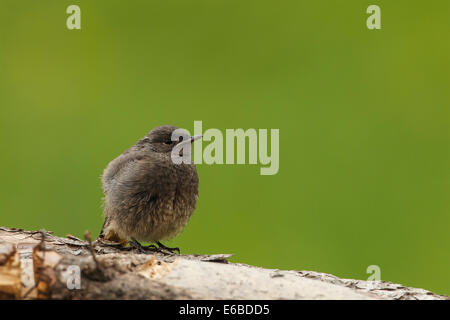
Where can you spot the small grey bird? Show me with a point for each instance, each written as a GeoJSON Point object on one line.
{"type": "Point", "coordinates": [147, 197]}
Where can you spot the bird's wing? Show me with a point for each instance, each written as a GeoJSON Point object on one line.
{"type": "Point", "coordinates": [116, 168]}
{"type": "Point", "coordinates": [137, 172]}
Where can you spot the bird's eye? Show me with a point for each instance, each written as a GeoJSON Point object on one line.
{"type": "Point", "coordinates": [168, 142]}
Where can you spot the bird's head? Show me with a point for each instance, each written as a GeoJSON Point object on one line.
{"type": "Point", "coordinates": [164, 138]}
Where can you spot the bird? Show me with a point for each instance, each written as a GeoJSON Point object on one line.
{"type": "Point", "coordinates": [147, 196]}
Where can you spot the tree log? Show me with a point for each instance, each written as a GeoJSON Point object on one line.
{"type": "Point", "coordinates": [39, 265]}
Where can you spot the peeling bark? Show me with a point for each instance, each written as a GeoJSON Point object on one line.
{"type": "Point", "coordinates": [39, 265]}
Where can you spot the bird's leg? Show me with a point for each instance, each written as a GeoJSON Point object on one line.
{"type": "Point", "coordinates": [171, 250]}
{"type": "Point", "coordinates": [140, 248]}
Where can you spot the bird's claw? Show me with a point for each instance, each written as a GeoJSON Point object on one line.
{"type": "Point", "coordinates": [140, 248]}
{"type": "Point", "coordinates": [144, 249]}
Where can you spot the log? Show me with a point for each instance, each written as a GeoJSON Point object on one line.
{"type": "Point", "coordinates": [40, 265]}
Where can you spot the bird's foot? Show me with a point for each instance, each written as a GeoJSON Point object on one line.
{"type": "Point", "coordinates": [140, 248]}
{"type": "Point", "coordinates": [163, 247]}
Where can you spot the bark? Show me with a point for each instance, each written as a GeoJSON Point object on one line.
{"type": "Point", "coordinates": [39, 265]}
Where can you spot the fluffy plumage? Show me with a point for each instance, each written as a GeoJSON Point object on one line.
{"type": "Point", "coordinates": [147, 197]}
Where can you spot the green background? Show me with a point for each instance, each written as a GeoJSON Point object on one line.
{"type": "Point", "coordinates": [363, 116]}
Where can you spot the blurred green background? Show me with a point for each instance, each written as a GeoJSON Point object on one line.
{"type": "Point", "coordinates": [363, 116]}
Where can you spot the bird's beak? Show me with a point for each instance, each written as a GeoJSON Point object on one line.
{"type": "Point", "coordinates": [193, 138]}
